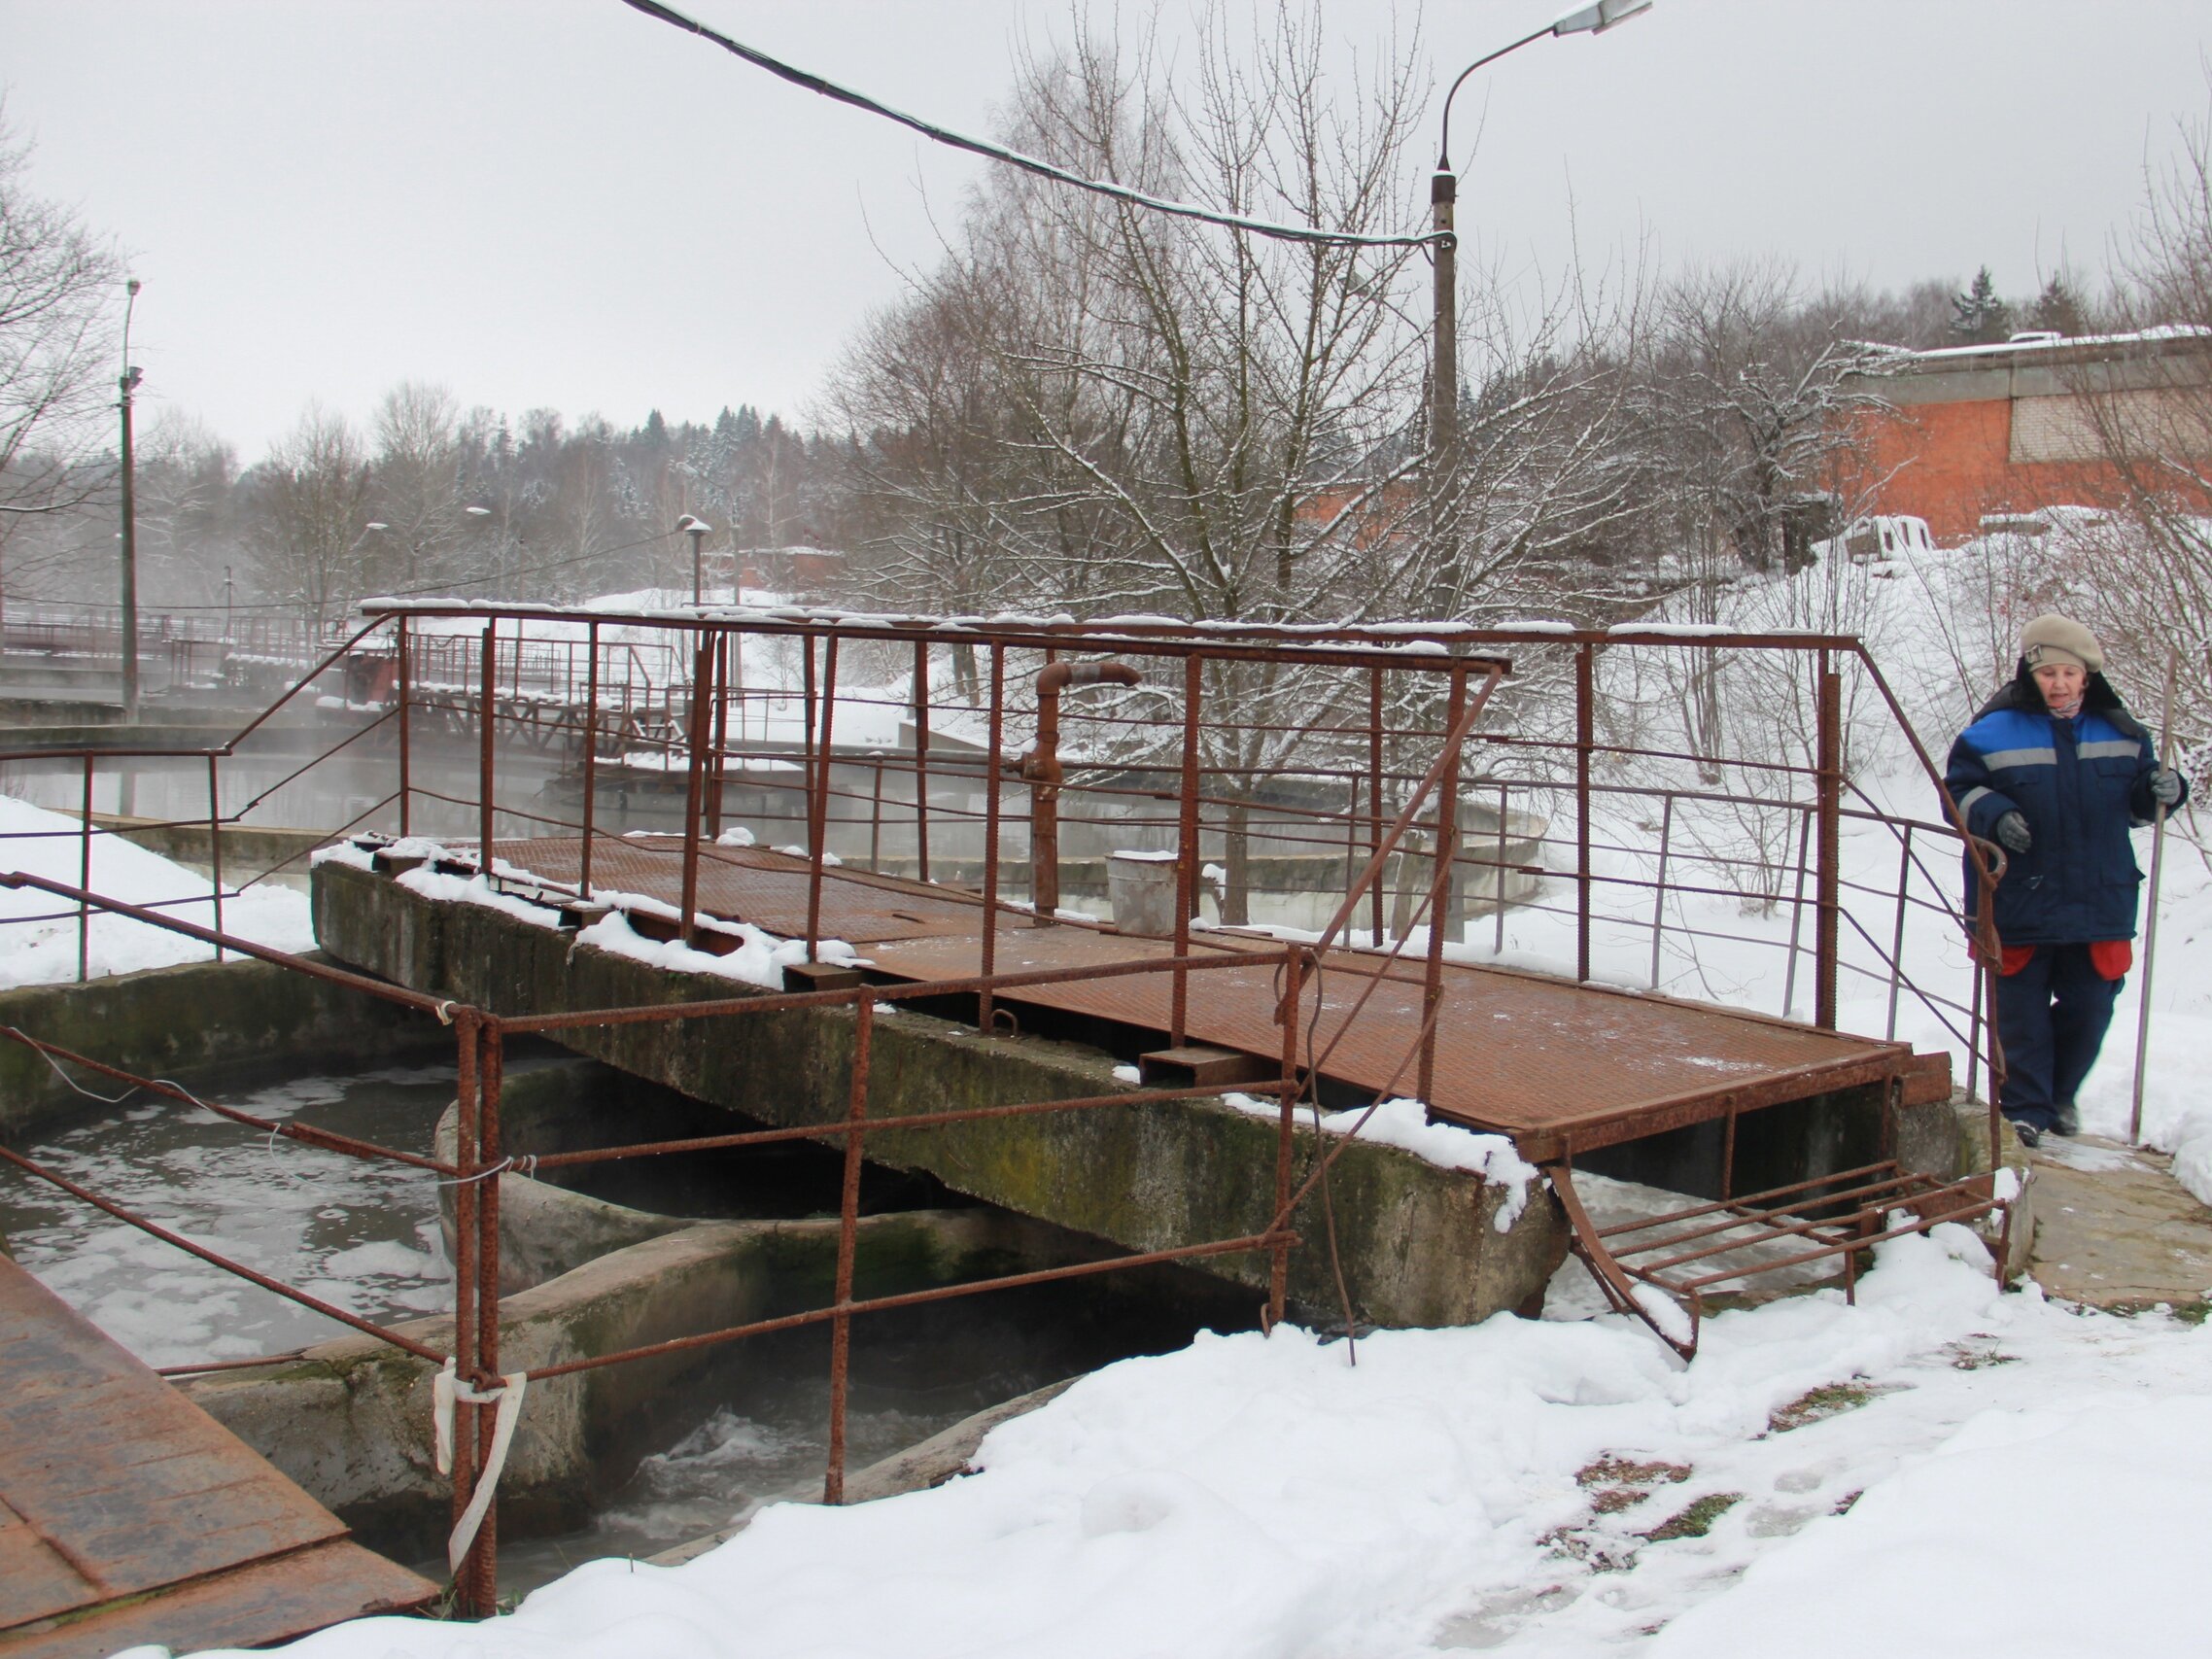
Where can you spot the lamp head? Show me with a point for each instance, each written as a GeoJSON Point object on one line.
{"type": "Point", "coordinates": [132, 287]}
{"type": "Point", "coordinates": [1597, 19]}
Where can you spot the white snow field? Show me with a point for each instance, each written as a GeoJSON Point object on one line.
{"type": "Point", "coordinates": [2032, 1482]}
{"type": "Point", "coordinates": [38, 932]}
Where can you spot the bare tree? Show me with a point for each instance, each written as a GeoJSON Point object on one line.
{"type": "Point", "coordinates": [309, 520]}
{"type": "Point", "coordinates": [58, 328]}
{"type": "Point", "coordinates": [418, 485]}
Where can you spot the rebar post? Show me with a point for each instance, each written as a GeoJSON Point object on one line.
{"type": "Point", "coordinates": [1188, 851]}
{"type": "Point", "coordinates": [847, 1240]}
{"type": "Point", "coordinates": [1440, 880]}
{"type": "Point", "coordinates": [817, 817]}
{"type": "Point", "coordinates": [485, 780]}
{"type": "Point", "coordinates": [1585, 741]}
{"type": "Point", "coordinates": [993, 763]}
{"type": "Point", "coordinates": [695, 780]}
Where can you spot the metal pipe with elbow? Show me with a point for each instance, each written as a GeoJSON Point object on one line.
{"type": "Point", "coordinates": [1041, 765]}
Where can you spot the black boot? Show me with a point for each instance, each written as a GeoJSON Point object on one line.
{"type": "Point", "coordinates": [2064, 1119]}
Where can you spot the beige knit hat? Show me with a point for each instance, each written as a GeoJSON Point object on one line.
{"type": "Point", "coordinates": [2055, 638]}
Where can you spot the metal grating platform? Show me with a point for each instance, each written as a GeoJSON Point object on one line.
{"type": "Point", "coordinates": [1559, 1067]}
{"type": "Point", "coordinates": [128, 1515]}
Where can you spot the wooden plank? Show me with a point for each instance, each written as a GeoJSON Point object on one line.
{"type": "Point", "coordinates": [130, 1482]}
{"type": "Point", "coordinates": [262, 1602]}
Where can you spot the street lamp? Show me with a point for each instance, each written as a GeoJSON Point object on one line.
{"type": "Point", "coordinates": [1443, 194]}
{"type": "Point", "coordinates": [130, 384]}
{"type": "Point", "coordinates": [696, 528]}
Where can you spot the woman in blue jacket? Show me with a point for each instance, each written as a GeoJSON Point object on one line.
{"type": "Point", "coordinates": [2055, 771]}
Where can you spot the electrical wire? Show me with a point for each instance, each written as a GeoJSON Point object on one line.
{"type": "Point", "coordinates": [1015, 159]}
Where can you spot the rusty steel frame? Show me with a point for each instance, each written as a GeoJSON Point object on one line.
{"type": "Point", "coordinates": [480, 1035]}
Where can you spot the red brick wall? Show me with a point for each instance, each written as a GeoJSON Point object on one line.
{"type": "Point", "coordinates": [1951, 464]}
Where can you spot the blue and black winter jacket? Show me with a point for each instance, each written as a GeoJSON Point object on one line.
{"type": "Point", "coordinates": [2081, 783]}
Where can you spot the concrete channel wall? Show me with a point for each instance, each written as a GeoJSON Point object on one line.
{"type": "Point", "coordinates": [1420, 1245]}
{"type": "Point", "coordinates": [175, 1023]}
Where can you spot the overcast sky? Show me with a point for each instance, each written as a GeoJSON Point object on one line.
{"type": "Point", "coordinates": [562, 202]}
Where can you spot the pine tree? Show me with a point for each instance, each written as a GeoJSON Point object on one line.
{"type": "Point", "coordinates": [2056, 309]}
{"type": "Point", "coordinates": [1978, 315]}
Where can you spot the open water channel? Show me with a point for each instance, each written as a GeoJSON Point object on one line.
{"type": "Point", "coordinates": [365, 1236]}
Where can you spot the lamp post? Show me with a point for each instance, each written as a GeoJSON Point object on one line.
{"type": "Point", "coordinates": [129, 384]}
{"type": "Point", "coordinates": [1445, 373]}
{"type": "Point", "coordinates": [696, 528]}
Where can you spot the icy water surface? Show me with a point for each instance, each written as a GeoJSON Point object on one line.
{"type": "Point", "coordinates": [756, 1428]}
{"type": "Point", "coordinates": [749, 1428]}
{"type": "Point", "coordinates": [360, 1236]}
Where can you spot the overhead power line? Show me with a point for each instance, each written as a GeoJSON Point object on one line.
{"type": "Point", "coordinates": [814, 82]}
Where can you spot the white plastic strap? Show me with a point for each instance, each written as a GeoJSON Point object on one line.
{"type": "Point", "coordinates": [446, 1388]}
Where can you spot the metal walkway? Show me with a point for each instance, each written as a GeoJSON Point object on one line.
{"type": "Point", "coordinates": [1561, 1068]}
{"type": "Point", "coordinates": [129, 1515]}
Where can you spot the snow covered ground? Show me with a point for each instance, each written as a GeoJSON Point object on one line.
{"type": "Point", "coordinates": [38, 932]}
{"type": "Point", "coordinates": [2031, 1481]}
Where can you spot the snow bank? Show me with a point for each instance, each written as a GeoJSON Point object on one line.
{"type": "Point", "coordinates": [2064, 1532]}
{"type": "Point", "coordinates": [34, 952]}
{"type": "Point", "coordinates": [1261, 1498]}
{"type": "Point", "coordinates": [1404, 1124]}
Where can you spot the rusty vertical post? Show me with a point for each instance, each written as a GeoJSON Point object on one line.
{"type": "Point", "coordinates": [847, 1230]}
{"type": "Point", "coordinates": [875, 820]}
{"type": "Point", "coordinates": [1659, 887]}
{"type": "Point", "coordinates": [591, 760]}
{"type": "Point", "coordinates": [215, 845]}
{"type": "Point", "coordinates": [922, 758]}
{"type": "Point", "coordinates": [1828, 917]}
{"type": "Point", "coordinates": [807, 717]}
{"type": "Point", "coordinates": [1897, 941]}
{"type": "Point", "coordinates": [817, 826]}
{"type": "Point", "coordinates": [1189, 851]}
{"type": "Point", "coordinates": [404, 686]}
{"type": "Point", "coordinates": [1375, 794]}
{"type": "Point", "coordinates": [1797, 911]}
{"type": "Point", "coordinates": [485, 778]}
{"type": "Point", "coordinates": [994, 761]}
{"type": "Point", "coordinates": [716, 774]}
{"type": "Point", "coordinates": [467, 1283]}
{"type": "Point", "coordinates": [1974, 1032]}
{"type": "Point", "coordinates": [695, 730]}
{"type": "Point", "coordinates": [1585, 740]}
{"type": "Point", "coordinates": [1288, 1091]}
{"type": "Point", "coordinates": [85, 879]}
{"type": "Point", "coordinates": [1440, 880]}
{"type": "Point", "coordinates": [482, 1565]}
{"type": "Point", "coordinates": [1498, 880]}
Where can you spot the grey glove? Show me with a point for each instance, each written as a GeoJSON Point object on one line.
{"type": "Point", "coordinates": [2011, 833]}
{"type": "Point", "coordinates": [2165, 787]}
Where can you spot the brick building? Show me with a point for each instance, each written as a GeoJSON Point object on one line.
{"type": "Point", "coordinates": [1974, 431]}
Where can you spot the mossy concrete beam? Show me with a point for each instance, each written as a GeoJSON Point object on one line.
{"type": "Point", "coordinates": [1419, 1245]}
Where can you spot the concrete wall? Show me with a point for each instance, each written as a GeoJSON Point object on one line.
{"type": "Point", "coordinates": [350, 1421]}
{"type": "Point", "coordinates": [175, 1022]}
{"type": "Point", "coordinates": [1419, 1244]}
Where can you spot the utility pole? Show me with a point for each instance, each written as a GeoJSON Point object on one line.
{"type": "Point", "coordinates": [1444, 367]}
{"type": "Point", "coordinates": [130, 384]}
{"type": "Point", "coordinates": [696, 528]}
{"type": "Point", "coordinates": [1443, 393]}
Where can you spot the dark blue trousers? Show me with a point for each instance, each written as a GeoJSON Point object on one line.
{"type": "Point", "coordinates": [2052, 1018]}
